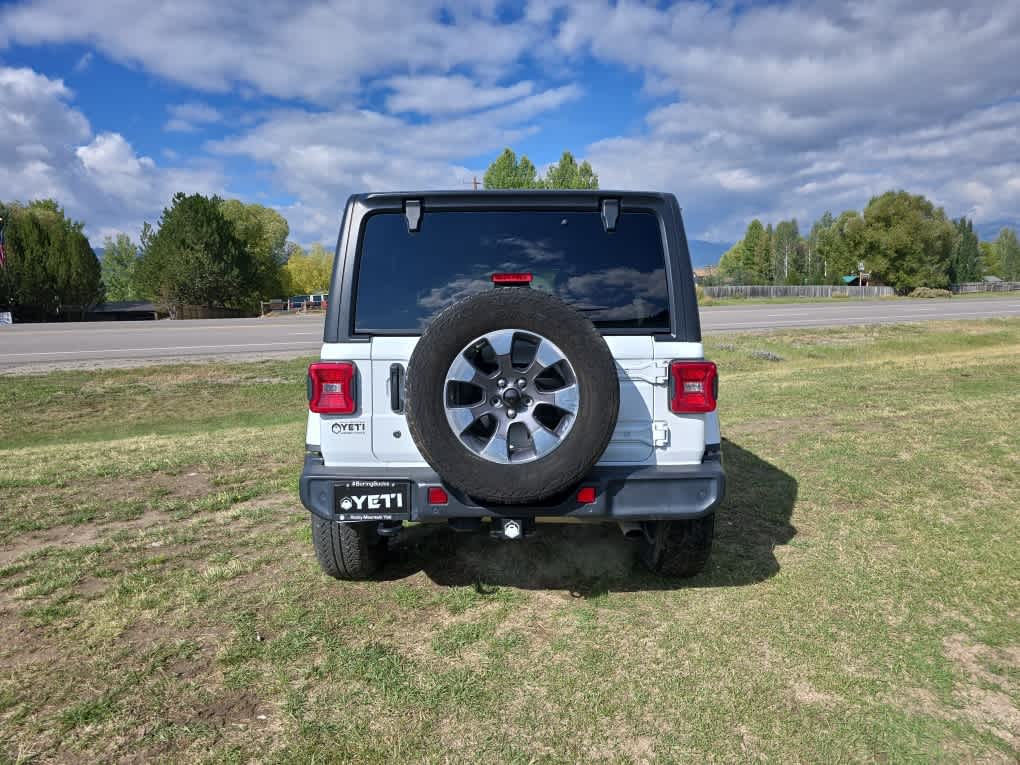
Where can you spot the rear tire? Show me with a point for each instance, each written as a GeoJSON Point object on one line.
{"type": "Point", "coordinates": [348, 550]}
{"type": "Point", "coordinates": [678, 549]}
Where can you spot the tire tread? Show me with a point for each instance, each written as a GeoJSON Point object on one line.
{"type": "Point", "coordinates": [681, 549]}
{"type": "Point", "coordinates": [347, 550]}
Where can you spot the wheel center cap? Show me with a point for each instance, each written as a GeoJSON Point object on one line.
{"type": "Point", "coordinates": [511, 397]}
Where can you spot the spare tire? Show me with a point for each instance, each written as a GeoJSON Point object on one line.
{"type": "Point", "coordinates": [512, 396]}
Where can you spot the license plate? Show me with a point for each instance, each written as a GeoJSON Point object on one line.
{"type": "Point", "coordinates": [371, 499]}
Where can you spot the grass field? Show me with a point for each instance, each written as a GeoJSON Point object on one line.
{"type": "Point", "coordinates": [159, 599]}
{"type": "Point", "coordinates": [705, 302]}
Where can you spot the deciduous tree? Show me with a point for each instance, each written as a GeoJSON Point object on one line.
{"type": "Point", "coordinates": [506, 172]}
{"type": "Point", "coordinates": [120, 257]}
{"type": "Point", "coordinates": [50, 266]}
{"type": "Point", "coordinates": [263, 231]}
{"type": "Point", "coordinates": [1008, 251]}
{"type": "Point", "coordinates": [908, 241]}
{"type": "Point", "coordinates": [990, 265]}
{"type": "Point", "coordinates": [308, 273]}
{"type": "Point", "coordinates": [567, 174]}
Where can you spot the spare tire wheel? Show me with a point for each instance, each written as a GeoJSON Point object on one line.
{"type": "Point", "coordinates": [512, 396]}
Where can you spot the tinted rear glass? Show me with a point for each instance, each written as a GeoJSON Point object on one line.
{"type": "Point", "coordinates": [618, 280]}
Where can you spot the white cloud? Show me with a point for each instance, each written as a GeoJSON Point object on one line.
{"type": "Point", "coordinates": [186, 118]}
{"type": "Point", "coordinates": [433, 94]}
{"type": "Point", "coordinates": [47, 149]}
{"type": "Point", "coordinates": [791, 109]}
{"type": "Point", "coordinates": [311, 50]}
{"type": "Point", "coordinates": [84, 62]}
{"type": "Point", "coordinates": [758, 110]}
{"type": "Point", "coordinates": [321, 157]}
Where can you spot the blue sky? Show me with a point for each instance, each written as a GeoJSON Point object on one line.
{"type": "Point", "coordinates": [742, 110]}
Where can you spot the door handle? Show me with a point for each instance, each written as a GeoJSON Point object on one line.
{"type": "Point", "coordinates": [397, 387]}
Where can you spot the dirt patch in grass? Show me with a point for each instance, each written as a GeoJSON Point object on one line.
{"type": "Point", "coordinates": [976, 660]}
{"type": "Point", "coordinates": [993, 711]}
{"type": "Point", "coordinates": [186, 485]}
{"type": "Point", "coordinates": [67, 536]}
{"type": "Point", "coordinates": [993, 708]}
{"type": "Point", "coordinates": [805, 693]}
{"type": "Point", "coordinates": [986, 699]}
{"type": "Point", "coordinates": [231, 708]}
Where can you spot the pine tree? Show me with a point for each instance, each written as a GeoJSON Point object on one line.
{"type": "Point", "coordinates": [754, 256]}
{"type": "Point", "coordinates": [964, 265]}
{"type": "Point", "coordinates": [195, 257]}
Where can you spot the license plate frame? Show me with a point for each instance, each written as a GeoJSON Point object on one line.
{"type": "Point", "coordinates": [372, 499]}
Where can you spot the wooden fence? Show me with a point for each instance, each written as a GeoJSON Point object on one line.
{"type": "Point", "coordinates": [985, 287]}
{"type": "Point", "coordinates": [808, 290]}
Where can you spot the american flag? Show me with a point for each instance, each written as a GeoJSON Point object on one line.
{"type": "Point", "coordinates": [3, 255]}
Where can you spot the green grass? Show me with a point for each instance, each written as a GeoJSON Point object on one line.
{"type": "Point", "coordinates": [711, 302]}
{"type": "Point", "coordinates": [159, 599]}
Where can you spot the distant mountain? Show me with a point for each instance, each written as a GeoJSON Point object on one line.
{"type": "Point", "coordinates": [989, 232]}
{"type": "Point", "coordinates": [706, 253]}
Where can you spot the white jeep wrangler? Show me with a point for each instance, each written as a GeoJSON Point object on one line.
{"type": "Point", "coordinates": [508, 355]}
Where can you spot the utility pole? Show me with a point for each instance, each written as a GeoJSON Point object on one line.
{"type": "Point", "coordinates": [474, 183]}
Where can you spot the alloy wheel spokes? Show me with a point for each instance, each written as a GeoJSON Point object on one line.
{"type": "Point", "coordinates": [511, 396]}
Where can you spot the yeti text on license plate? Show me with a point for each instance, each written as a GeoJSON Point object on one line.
{"type": "Point", "coordinates": [370, 499]}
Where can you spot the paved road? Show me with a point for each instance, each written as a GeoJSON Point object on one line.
{"type": "Point", "coordinates": [29, 347]}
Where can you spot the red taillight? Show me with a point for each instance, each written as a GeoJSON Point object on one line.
{"type": "Point", "coordinates": [438, 496]}
{"type": "Point", "coordinates": [511, 278]}
{"type": "Point", "coordinates": [586, 495]}
{"type": "Point", "coordinates": [695, 386]}
{"type": "Point", "coordinates": [331, 387]}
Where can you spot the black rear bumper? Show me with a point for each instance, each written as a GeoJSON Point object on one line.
{"type": "Point", "coordinates": [638, 493]}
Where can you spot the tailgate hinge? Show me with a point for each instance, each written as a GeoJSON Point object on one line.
{"type": "Point", "coordinates": [654, 372]}
{"type": "Point", "coordinates": [661, 374]}
{"type": "Point", "coordinates": [660, 433]}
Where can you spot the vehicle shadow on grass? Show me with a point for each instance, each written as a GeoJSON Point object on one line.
{"type": "Point", "coordinates": [590, 560]}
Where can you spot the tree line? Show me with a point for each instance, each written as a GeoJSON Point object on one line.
{"type": "Point", "coordinates": [902, 239]}
{"type": "Point", "coordinates": [507, 172]}
{"type": "Point", "coordinates": [216, 252]}
{"type": "Point", "coordinates": [203, 251]}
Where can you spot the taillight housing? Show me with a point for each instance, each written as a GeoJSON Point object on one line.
{"type": "Point", "coordinates": [694, 386]}
{"type": "Point", "coordinates": [331, 387]}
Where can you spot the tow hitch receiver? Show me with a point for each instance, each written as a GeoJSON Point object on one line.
{"type": "Point", "coordinates": [512, 528]}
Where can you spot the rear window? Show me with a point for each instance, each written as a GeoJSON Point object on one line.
{"type": "Point", "coordinates": [618, 279]}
